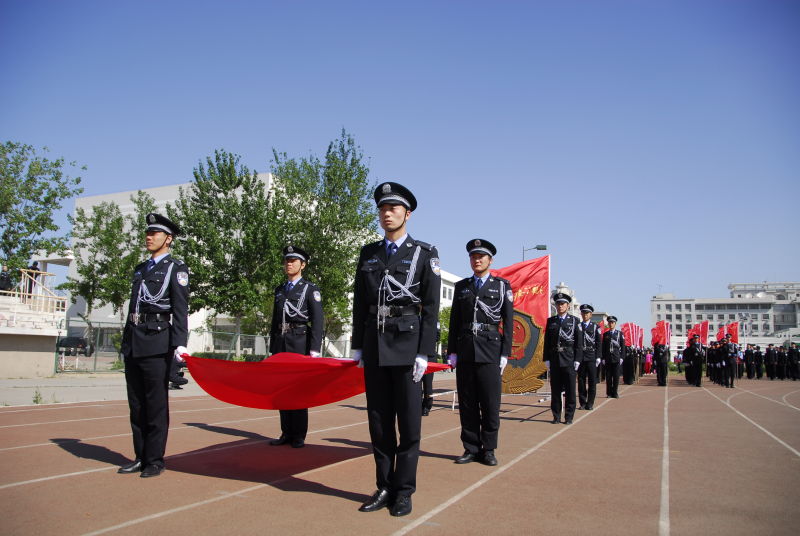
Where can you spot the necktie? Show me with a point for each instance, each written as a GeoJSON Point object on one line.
{"type": "Point", "coordinates": [478, 283]}
{"type": "Point", "coordinates": [150, 265]}
{"type": "Point", "coordinates": [391, 249]}
{"type": "Point", "coordinates": [289, 286]}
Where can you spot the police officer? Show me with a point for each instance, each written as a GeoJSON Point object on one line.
{"type": "Point", "coordinates": [479, 351]}
{"type": "Point", "coordinates": [759, 360]}
{"type": "Point", "coordinates": [613, 355]}
{"type": "Point", "coordinates": [661, 356]}
{"type": "Point", "coordinates": [395, 310]}
{"type": "Point", "coordinates": [155, 331]}
{"type": "Point", "coordinates": [297, 322]}
{"type": "Point", "coordinates": [771, 360]}
{"type": "Point", "coordinates": [693, 355]}
{"type": "Point", "coordinates": [591, 354]}
{"type": "Point", "coordinates": [731, 360]}
{"type": "Point", "coordinates": [563, 341]}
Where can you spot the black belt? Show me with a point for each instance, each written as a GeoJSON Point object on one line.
{"type": "Point", "coordinates": [141, 318]}
{"type": "Point", "coordinates": [477, 326]}
{"type": "Point", "coordinates": [396, 310]}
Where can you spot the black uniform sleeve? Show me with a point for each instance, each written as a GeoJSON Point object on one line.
{"type": "Point", "coordinates": [550, 340]}
{"type": "Point", "coordinates": [430, 293]}
{"type": "Point", "coordinates": [508, 321]}
{"type": "Point", "coordinates": [455, 322]}
{"type": "Point", "coordinates": [578, 348]}
{"type": "Point", "coordinates": [623, 350]}
{"type": "Point", "coordinates": [179, 300]}
{"type": "Point", "coordinates": [317, 319]}
{"type": "Point", "coordinates": [273, 328]}
{"type": "Point", "coordinates": [359, 305]}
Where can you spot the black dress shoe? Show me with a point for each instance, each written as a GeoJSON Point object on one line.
{"type": "Point", "coordinates": [151, 470]}
{"type": "Point", "coordinates": [568, 421]}
{"type": "Point", "coordinates": [489, 459]}
{"type": "Point", "coordinates": [401, 506]}
{"type": "Point", "coordinates": [134, 467]}
{"type": "Point", "coordinates": [298, 443]}
{"type": "Point", "coordinates": [467, 457]}
{"type": "Point", "coordinates": [280, 441]}
{"type": "Point", "coordinates": [425, 412]}
{"type": "Point", "coordinates": [581, 407]}
{"type": "Point", "coordinates": [379, 499]}
{"type": "Point", "coordinates": [555, 420]}
{"type": "Point", "coordinates": [589, 408]}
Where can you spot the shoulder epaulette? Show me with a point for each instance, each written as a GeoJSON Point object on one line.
{"type": "Point", "coordinates": [424, 245]}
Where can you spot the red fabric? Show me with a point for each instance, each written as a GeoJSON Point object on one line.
{"type": "Point", "coordinates": [721, 333]}
{"type": "Point", "coordinates": [283, 381]}
{"type": "Point", "coordinates": [733, 331]}
{"type": "Point", "coordinates": [704, 333]}
{"type": "Point", "coordinates": [530, 281]}
{"type": "Point", "coordinates": [655, 335]}
{"type": "Point", "coordinates": [603, 326]}
{"type": "Point", "coordinates": [627, 333]}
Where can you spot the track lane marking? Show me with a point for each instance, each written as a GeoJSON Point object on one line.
{"type": "Point", "coordinates": [754, 423]}
{"type": "Point", "coordinates": [663, 516]}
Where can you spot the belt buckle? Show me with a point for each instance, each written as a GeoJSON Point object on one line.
{"type": "Point", "coordinates": [135, 318]}
{"type": "Point", "coordinates": [285, 327]}
{"type": "Point", "coordinates": [476, 327]}
{"type": "Point", "coordinates": [384, 310]}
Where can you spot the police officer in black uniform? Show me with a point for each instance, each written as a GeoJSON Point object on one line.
{"type": "Point", "coordinates": [395, 310]}
{"type": "Point", "coordinates": [693, 355]}
{"type": "Point", "coordinates": [591, 354]}
{"type": "Point", "coordinates": [563, 341]}
{"type": "Point", "coordinates": [731, 362]}
{"type": "Point", "coordinates": [613, 356]}
{"type": "Point", "coordinates": [479, 351]}
{"type": "Point", "coordinates": [297, 322]}
{"type": "Point", "coordinates": [661, 357]}
{"type": "Point", "coordinates": [155, 331]}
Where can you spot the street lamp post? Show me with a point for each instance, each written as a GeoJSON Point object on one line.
{"type": "Point", "coordinates": [540, 247]}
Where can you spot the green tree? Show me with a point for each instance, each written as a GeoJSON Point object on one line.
{"type": "Point", "coordinates": [107, 247]}
{"type": "Point", "coordinates": [228, 243]}
{"type": "Point", "coordinates": [32, 188]}
{"type": "Point", "coordinates": [325, 207]}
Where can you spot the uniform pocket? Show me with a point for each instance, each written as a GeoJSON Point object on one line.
{"type": "Point", "coordinates": [408, 324]}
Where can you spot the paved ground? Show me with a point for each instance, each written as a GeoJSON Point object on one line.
{"type": "Point", "coordinates": [675, 460]}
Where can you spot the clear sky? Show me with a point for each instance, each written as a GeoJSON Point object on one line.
{"type": "Point", "coordinates": [653, 146]}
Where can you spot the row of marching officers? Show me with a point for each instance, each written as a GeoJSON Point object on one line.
{"type": "Point", "coordinates": [573, 350]}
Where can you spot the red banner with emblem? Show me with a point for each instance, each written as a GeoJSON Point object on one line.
{"type": "Point", "coordinates": [732, 329]}
{"type": "Point", "coordinates": [627, 330]}
{"type": "Point", "coordinates": [530, 284]}
{"type": "Point", "coordinates": [721, 333]}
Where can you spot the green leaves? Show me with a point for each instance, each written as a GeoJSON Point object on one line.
{"type": "Point", "coordinates": [32, 188]}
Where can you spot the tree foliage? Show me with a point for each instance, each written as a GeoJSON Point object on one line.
{"type": "Point", "coordinates": [107, 247]}
{"type": "Point", "coordinates": [32, 188]}
{"type": "Point", "coordinates": [225, 214]}
{"type": "Point", "coordinates": [326, 208]}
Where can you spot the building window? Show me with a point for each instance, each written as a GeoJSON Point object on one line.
{"type": "Point", "coordinates": [669, 317]}
{"type": "Point", "coordinates": [731, 317]}
{"type": "Point", "coordinates": [677, 306]}
{"type": "Point", "coordinates": [658, 317]}
{"type": "Point", "coordinates": [678, 318]}
{"type": "Point", "coordinates": [765, 317]}
{"type": "Point", "coordinates": [720, 317]}
{"type": "Point", "coordinates": [658, 307]}
{"type": "Point", "coordinates": [688, 318]}
{"type": "Point", "coordinates": [669, 307]}
{"type": "Point", "coordinates": [688, 306]}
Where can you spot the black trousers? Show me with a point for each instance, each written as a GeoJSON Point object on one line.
{"type": "Point", "coordinates": [562, 379]}
{"type": "Point", "coordinates": [627, 371]}
{"type": "Point", "coordinates": [733, 369]}
{"type": "Point", "coordinates": [612, 379]}
{"type": "Point", "coordinates": [479, 386]}
{"type": "Point", "coordinates": [294, 423]}
{"type": "Point", "coordinates": [587, 383]}
{"type": "Point", "coordinates": [661, 372]}
{"type": "Point", "coordinates": [393, 406]}
{"type": "Point", "coordinates": [427, 391]}
{"type": "Point", "coordinates": [146, 379]}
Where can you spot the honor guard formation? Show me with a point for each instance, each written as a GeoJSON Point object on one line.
{"type": "Point", "coordinates": [395, 332]}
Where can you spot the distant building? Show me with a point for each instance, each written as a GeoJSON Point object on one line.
{"type": "Point", "coordinates": [766, 312]}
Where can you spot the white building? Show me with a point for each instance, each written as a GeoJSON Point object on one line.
{"type": "Point", "coordinates": [766, 312]}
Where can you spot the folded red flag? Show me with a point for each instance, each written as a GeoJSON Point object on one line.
{"type": "Point", "coordinates": [282, 381]}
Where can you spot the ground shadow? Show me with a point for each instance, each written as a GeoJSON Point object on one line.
{"type": "Point", "coordinates": [88, 451]}
{"type": "Point", "coordinates": [226, 431]}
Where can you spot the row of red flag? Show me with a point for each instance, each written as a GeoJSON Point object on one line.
{"type": "Point", "coordinates": [662, 333]}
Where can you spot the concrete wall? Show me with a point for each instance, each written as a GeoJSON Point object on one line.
{"type": "Point", "coordinates": [26, 356]}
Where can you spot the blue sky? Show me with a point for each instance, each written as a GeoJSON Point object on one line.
{"type": "Point", "coordinates": [651, 145]}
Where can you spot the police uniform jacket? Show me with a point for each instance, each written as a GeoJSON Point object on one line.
{"type": "Point", "coordinates": [563, 341]}
{"type": "Point", "coordinates": [694, 354]}
{"type": "Point", "coordinates": [407, 287]}
{"type": "Point", "coordinates": [771, 356]}
{"type": "Point", "coordinates": [614, 346]}
{"type": "Point", "coordinates": [660, 354]}
{"type": "Point", "coordinates": [297, 325]}
{"type": "Point", "coordinates": [592, 348]}
{"type": "Point", "coordinates": [474, 334]}
{"type": "Point", "coordinates": [158, 313]}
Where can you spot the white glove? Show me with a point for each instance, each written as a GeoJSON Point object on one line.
{"type": "Point", "coordinates": [420, 366]}
{"type": "Point", "coordinates": [547, 365]}
{"type": "Point", "coordinates": [356, 356]}
{"type": "Point", "coordinates": [179, 351]}
{"type": "Point", "coordinates": [577, 364]}
{"type": "Point", "coordinates": [312, 353]}
{"type": "Point", "coordinates": [603, 361]}
{"type": "Point", "coordinates": [452, 359]}
{"type": "Point", "coordinates": [503, 363]}
{"type": "Point", "coordinates": [597, 362]}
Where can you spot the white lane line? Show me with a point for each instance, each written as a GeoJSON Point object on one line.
{"type": "Point", "coordinates": [663, 518]}
{"type": "Point", "coordinates": [497, 472]}
{"type": "Point", "coordinates": [252, 488]}
{"type": "Point", "coordinates": [126, 416]}
{"type": "Point", "coordinates": [787, 403]}
{"type": "Point", "coordinates": [87, 404]}
{"type": "Point", "coordinates": [682, 394]}
{"type": "Point", "coordinates": [51, 443]}
{"type": "Point", "coordinates": [754, 423]}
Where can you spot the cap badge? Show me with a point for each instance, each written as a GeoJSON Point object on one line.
{"type": "Point", "coordinates": [290, 249]}
{"type": "Point", "coordinates": [386, 188]}
{"type": "Point", "coordinates": [477, 243]}
{"type": "Point", "coordinates": [151, 218]}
